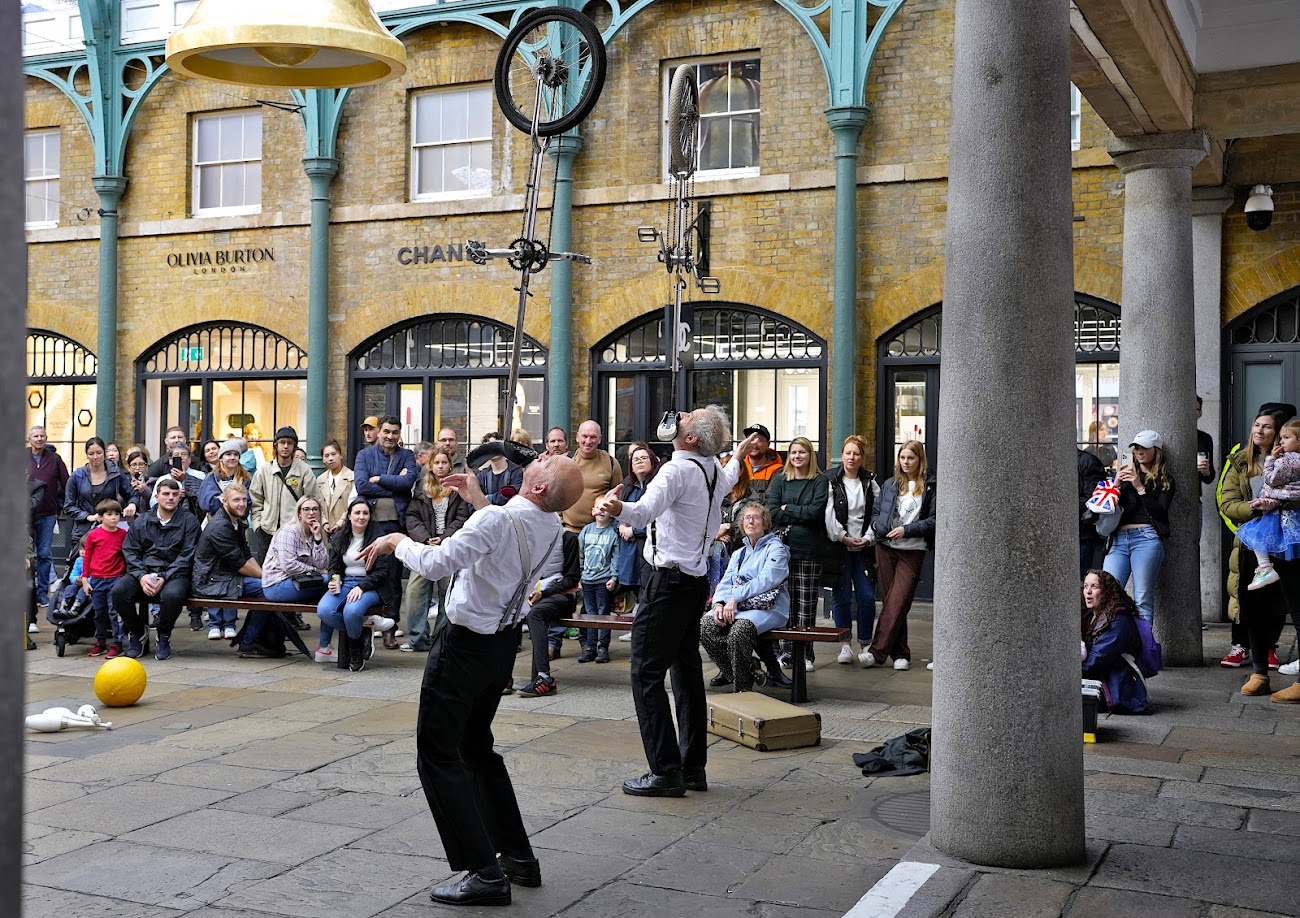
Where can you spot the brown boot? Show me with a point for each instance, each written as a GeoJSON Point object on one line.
{"type": "Point", "coordinates": [1288, 695]}
{"type": "Point", "coordinates": [1255, 685]}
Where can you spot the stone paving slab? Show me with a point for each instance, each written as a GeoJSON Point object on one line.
{"type": "Point", "coordinates": [341, 884]}
{"type": "Point", "coordinates": [45, 902]}
{"type": "Point", "coordinates": [1168, 809]}
{"type": "Point", "coordinates": [1108, 903]}
{"type": "Point", "coordinates": [1104, 827]}
{"type": "Point", "coordinates": [268, 801]}
{"type": "Point", "coordinates": [1128, 784]}
{"type": "Point", "coordinates": [1002, 896]}
{"type": "Point", "coordinates": [301, 751]}
{"type": "Point", "coordinates": [219, 775]}
{"type": "Point", "coordinates": [616, 832]}
{"type": "Point", "coordinates": [38, 793]}
{"type": "Point", "coordinates": [772, 833]}
{"type": "Point", "coordinates": [245, 835]}
{"type": "Point", "coordinates": [689, 866]}
{"type": "Point", "coordinates": [1277, 823]}
{"type": "Point", "coordinates": [127, 806]}
{"type": "Point", "coordinates": [1261, 845]}
{"type": "Point", "coordinates": [362, 811]}
{"type": "Point", "coordinates": [1237, 778]}
{"type": "Point", "coordinates": [43, 842]}
{"type": "Point", "coordinates": [1255, 797]}
{"type": "Point", "coordinates": [815, 882]}
{"type": "Point", "coordinates": [1202, 876]}
{"type": "Point", "coordinates": [147, 874]}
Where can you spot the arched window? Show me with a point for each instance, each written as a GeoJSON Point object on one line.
{"type": "Point", "coordinates": [447, 371]}
{"type": "Point", "coordinates": [61, 392]}
{"type": "Point", "coordinates": [765, 369]}
{"type": "Point", "coordinates": [1263, 361]}
{"type": "Point", "coordinates": [221, 379]}
{"type": "Point", "coordinates": [909, 357]}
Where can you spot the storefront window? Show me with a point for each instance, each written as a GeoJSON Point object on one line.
{"type": "Point", "coordinates": [449, 371]}
{"type": "Point", "coordinates": [61, 393]}
{"type": "Point", "coordinates": [222, 381]}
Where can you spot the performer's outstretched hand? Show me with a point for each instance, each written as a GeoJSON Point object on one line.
{"type": "Point", "coordinates": [467, 486]}
{"type": "Point", "coordinates": [743, 449]}
{"type": "Point", "coordinates": [384, 545]}
{"type": "Point", "coordinates": [610, 503]}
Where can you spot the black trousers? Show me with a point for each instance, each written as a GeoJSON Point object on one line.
{"type": "Point", "coordinates": [1263, 612]}
{"type": "Point", "coordinates": [128, 596]}
{"type": "Point", "coordinates": [464, 779]}
{"type": "Point", "coordinates": [540, 616]}
{"type": "Point", "coordinates": [666, 639]}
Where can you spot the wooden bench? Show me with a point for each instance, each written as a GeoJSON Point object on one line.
{"type": "Point", "coordinates": [798, 676]}
{"type": "Point", "coordinates": [266, 605]}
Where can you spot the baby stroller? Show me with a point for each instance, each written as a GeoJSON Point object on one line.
{"type": "Point", "coordinates": [69, 609]}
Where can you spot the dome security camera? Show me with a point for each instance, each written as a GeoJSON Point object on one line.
{"type": "Point", "coordinates": [1259, 208]}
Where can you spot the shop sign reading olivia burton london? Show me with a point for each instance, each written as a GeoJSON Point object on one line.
{"type": "Point", "coordinates": [221, 261]}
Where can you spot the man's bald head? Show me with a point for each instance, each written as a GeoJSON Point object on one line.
{"type": "Point", "coordinates": [554, 483]}
{"type": "Point", "coordinates": [588, 439]}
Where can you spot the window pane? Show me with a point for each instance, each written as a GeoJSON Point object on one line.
{"type": "Point", "coordinates": [252, 135]}
{"type": "Point", "coordinates": [231, 137]}
{"type": "Point", "coordinates": [484, 407]}
{"type": "Point", "coordinates": [429, 170]}
{"type": "Point", "coordinates": [909, 407]}
{"type": "Point", "coordinates": [53, 144]}
{"type": "Point", "coordinates": [253, 184]}
{"type": "Point", "coordinates": [456, 173]}
{"type": "Point", "coordinates": [411, 413]}
{"type": "Point", "coordinates": [480, 112]}
{"type": "Point", "coordinates": [428, 117]}
{"type": "Point", "coordinates": [480, 159]}
{"type": "Point", "coordinates": [232, 185]}
{"type": "Point", "coordinates": [451, 407]}
{"type": "Point", "coordinates": [455, 117]}
{"type": "Point", "coordinates": [209, 187]}
{"type": "Point", "coordinates": [34, 155]}
{"type": "Point", "coordinates": [209, 133]}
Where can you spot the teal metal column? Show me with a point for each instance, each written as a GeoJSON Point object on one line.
{"type": "Point", "coordinates": [321, 170]}
{"type": "Point", "coordinates": [847, 123]}
{"type": "Point", "coordinates": [560, 360]}
{"type": "Point", "coordinates": [110, 188]}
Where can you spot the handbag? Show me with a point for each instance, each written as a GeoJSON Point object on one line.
{"type": "Point", "coordinates": [307, 581]}
{"type": "Point", "coordinates": [761, 602]}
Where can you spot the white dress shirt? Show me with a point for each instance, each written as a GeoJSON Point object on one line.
{"type": "Point", "coordinates": [486, 553]}
{"type": "Point", "coordinates": [677, 502]}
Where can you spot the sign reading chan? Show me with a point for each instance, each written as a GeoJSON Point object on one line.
{"type": "Point", "coordinates": [221, 261]}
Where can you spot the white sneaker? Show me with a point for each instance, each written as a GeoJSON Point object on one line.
{"type": "Point", "coordinates": [1290, 669]}
{"type": "Point", "coordinates": [625, 636]}
{"type": "Point", "coordinates": [930, 666]}
{"type": "Point", "coordinates": [867, 660]}
{"type": "Point", "coordinates": [807, 666]}
{"type": "Point", "coordinates": [33, 628]}
{"type": "Point", "coordinates": [902, 665]}
{"type": "Point", "coordinates": [398, 633]}
{"type": "Point", "coordinates": [214, 633]}
{"type": "Point", "coordinates": [846, 655]}
{"type": "Point", "coordinates": [228, 632]}
{"type": "Point", "coordinates": [324, 655]}
{"type": "Point", "coordinates": [406, 647]}
{"type": "Point", "coordinates": [377, 622]}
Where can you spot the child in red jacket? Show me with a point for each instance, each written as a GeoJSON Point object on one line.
{"type": "Point", "coordinates": [101, 564]}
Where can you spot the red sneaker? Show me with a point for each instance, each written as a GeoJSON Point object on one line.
{"type": "Point", "coordinates": [1237, 657]}
{"type": "Point", "coordinates": [114, 650]}
{"type": "Point", "coordinates": [1272, 659]}
{"type": "Point", "coordinates": [98, 650]}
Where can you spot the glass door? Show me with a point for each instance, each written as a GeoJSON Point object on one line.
{"type": "Point", "coordinates": [913, 414]}
{"type": "Point", "coordinates": [182, 406]}
{"type": "Point", "coordinates": [631, 407]}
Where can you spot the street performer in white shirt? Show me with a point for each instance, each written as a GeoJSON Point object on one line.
{"type": "Point", "coordinates": [681, 509]}
{"type": "Point", "coordinates": [497, 557]}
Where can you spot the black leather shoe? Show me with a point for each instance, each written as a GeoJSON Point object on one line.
{"type": "Point", "coordinates": [521, 871]}
{"type": "Point", "coordinates": [653, 785]}
{"type": "Point", "coordinates": [473, 890]}
{"type": "Point", "coordinates": [694, 778]}
{"type": "Point", "coordinates": [779, 678]}
{"type": "Point", "coordinates": [720, 680]}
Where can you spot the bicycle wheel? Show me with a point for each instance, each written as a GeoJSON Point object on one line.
{"type": "Point", "coordinates": [683, 122]}
{"type": "Point", "coordinates": [561, 50]}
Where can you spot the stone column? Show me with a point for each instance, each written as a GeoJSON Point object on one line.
{"type": "Point", "coordinates": [1157, 366]}
{"type": "Point", "coordinates": [846, 123]}
{"type": "Point", "coordinates": [1208, 207]}
{"type": "Point", "coordinates": [110, 189]}
{"type": "Point", "coordinates": [559, 374]}
{"type": "Point", "coordinates": [1007, 773]}
{"type": "Point", "coordinates": [321, 170]}
{"type": "Point", "coordinates": [13, 501]}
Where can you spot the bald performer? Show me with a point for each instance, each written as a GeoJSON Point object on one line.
{"type": "Point", "coordinates": [496, 558]}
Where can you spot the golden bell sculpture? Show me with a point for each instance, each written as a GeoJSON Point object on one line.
{"type": "Point", "coordinates": [301, 44]}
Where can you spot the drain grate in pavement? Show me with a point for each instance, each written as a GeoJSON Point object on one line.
{"type": "Point", "coordinates": [907, 813]}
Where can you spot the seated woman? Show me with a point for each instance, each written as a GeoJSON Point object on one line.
{"type": "Point", "coordinates": [1109, 631]}
{"type": "Point", "coordinates": [751, 599]}
{"type": "Point", "coordinates": [295, 567]}
{"type": "Point", "coordinates": [353, 591]}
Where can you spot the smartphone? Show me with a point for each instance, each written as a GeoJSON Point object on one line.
{"type": "Point", "coordinates": [137, 476]}
{"type": "Point", "coordinates": [176, 463]}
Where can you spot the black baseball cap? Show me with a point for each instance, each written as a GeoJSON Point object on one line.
{"type": "Point", "coordinates": [760, 430]}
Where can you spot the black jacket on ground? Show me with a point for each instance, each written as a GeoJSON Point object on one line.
{"type": "Point", "coordinates": [221, 552]}
{"type": "Point", "coordinates": [152, 548]}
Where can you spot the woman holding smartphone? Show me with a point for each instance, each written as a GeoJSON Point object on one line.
{"type": "Point", "coordinates": [1146, 489]}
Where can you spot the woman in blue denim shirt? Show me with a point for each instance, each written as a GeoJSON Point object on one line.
{"type": "Point", "coordinates": [1146, 490]}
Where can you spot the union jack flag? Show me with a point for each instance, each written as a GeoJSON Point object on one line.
{"type": "Point", "coordinates": [1105, 497]}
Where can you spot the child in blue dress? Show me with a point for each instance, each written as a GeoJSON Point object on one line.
{"type": "Point", "coordinates": [1276, 532]}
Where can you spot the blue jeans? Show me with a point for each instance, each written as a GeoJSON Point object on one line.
{"type": "Point", "coordinates": [100, 588]}
{"type": "Point", "coordinates": [595, 601]}
{"type": "Point", "coordinates": [335, 610]}
{"type": "Point", "coordinates": [288, 591]}
{"type": "Point", "coordinates": [1138, 551]}
{"type": "Point", "coordinates": [855, 587]}
{"type": "Point", "coordinates": [43, 537]}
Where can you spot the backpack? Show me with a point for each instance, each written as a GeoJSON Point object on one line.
{"type": "Point", "coordinates": [1149, 659]}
